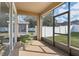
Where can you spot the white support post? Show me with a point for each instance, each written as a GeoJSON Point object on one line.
{"type": "Point", "coordinates": [10, 29]}
{"type": "Point", "coordinates": [16, 25]}
{"type": "Point", "coordinates": [26, 28]}
{"type": "Point", "coordinates": [39, 27]}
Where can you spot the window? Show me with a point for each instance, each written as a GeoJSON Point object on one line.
{"type": "Point", "coordinates": [74, 18]}
{"type": "Point", "coordinates": [61, 9]}
{"type": "Point", "coordinates": [61, 23]}
{"type": "Point", "coordinates": [47, 27]}
{"type": "Point", "coordinates": [22, 27]}
{"type": "Point", "coordinates": [4, 27]}
{"type": "Point", "coordinates": [7, 28]}
{"type": "Point", "coordinates": [61, 28]}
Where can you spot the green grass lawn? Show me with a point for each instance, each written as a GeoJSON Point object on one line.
{"type": "Point", "coordinates": [75, 39]}
{"type": "Point", "coordinates": [63, 39]}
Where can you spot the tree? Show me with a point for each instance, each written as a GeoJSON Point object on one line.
{"type": "Point", "coordinates": [31, 21]}
{"type": "Point", "coordinates": [48, 20]}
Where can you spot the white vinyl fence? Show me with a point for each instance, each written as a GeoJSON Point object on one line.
{"type": "Point", "coordinates": [48, 31]}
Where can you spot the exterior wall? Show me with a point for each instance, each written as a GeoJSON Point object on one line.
{"type": "Point", "coordinates": [26, 29]}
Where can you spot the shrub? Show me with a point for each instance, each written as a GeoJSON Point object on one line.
{"type": "Point", "coordinates": [25, 38]}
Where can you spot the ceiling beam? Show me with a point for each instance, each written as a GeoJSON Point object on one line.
{"type": "Point", "coordinates": [26, 12]}
{"type": "Point", "coordinates": [51, 6]}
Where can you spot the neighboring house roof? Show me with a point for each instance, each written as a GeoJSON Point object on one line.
{"type": "Point", "coordinates": [64, 23]}
{"type": "Point", "coordinates": [75, 22]}
{"type": "Point", "coordinates": [61, 24]}
{"type": "Point", "coordinates": [57, 24]}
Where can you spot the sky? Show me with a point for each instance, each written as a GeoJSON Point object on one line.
{"type": "Point", "coordinates": [22, 18]}
{"type": "Point", "coordinates": [74, 12]}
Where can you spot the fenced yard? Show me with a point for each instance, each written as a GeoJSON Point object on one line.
{"type": "Point", "coordinates": [64, 39]}
{"type": "Point", "coordinates": [47, 32]}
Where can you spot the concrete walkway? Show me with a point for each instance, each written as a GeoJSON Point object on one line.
{"type": "Point", "coordinates": [39, 48]}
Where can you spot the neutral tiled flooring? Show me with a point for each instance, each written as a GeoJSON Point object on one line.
{"type": "Point", "coordinates": [39, 48]}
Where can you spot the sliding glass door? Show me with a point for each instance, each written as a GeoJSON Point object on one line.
{"type": "Point", "coordinates": [7, 28]}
